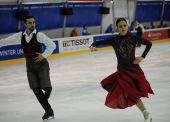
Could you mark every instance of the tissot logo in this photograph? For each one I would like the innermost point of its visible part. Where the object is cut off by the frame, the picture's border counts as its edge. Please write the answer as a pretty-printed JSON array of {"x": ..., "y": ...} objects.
[
  {"x": 76, "y": 42},
  {"x": 66, "y": 43}
]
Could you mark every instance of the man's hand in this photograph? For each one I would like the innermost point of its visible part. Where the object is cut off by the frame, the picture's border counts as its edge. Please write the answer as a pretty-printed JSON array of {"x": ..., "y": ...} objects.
[
  {"x": 93, "y": 49},
  {"x": 138, "y": 60},
  {"x": 39, "y": 58}
]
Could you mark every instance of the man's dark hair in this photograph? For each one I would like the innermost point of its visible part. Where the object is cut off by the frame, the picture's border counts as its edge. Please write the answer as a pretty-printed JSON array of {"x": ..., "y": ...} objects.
[
  {"x": 119, "y": 20},
  {"x": 136, "y": 20},
  {"x": 84, "y": 26},
  {"x": 28, "y": 17}
]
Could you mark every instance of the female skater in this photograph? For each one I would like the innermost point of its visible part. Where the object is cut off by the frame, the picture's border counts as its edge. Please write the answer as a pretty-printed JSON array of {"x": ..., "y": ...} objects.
[
  {"x": 140, "y": 30},
  {"x": 128, "y": 84}
]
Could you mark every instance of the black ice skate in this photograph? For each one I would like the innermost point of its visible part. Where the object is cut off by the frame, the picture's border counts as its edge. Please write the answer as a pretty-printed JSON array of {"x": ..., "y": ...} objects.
[{"x": 48, "y": 115}]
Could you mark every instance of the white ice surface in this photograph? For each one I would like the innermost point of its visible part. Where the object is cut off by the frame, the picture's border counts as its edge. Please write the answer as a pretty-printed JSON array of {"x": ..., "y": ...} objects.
[{"x": 77, "y": 95}]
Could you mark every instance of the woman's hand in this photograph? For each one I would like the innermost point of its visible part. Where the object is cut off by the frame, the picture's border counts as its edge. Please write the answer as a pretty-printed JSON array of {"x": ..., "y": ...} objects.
[
  {"x": 93, "y": 49},
  {"x": 138, "y": 60}
]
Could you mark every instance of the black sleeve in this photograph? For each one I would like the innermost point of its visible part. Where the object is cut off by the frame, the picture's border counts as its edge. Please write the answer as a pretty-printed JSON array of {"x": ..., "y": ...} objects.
[
  {"x": 108, "y": 41},
  {"x": 145, "y": 42}
]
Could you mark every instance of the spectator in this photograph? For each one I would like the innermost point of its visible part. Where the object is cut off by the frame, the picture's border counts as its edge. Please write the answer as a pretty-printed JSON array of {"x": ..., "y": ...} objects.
[
  {"x": 147, "y": 28},
  {"x": 152, "y": 27},
  {"x": 144, "y": 27},
  {"x": 109, "y": 29},
  {"x": 165, "y": 25},
  {"x": 140, "y": 30},
  {"x": 74, "y": 32},
  {"x": 132, "y": 26},
  {"x": 85, "y": 31}
]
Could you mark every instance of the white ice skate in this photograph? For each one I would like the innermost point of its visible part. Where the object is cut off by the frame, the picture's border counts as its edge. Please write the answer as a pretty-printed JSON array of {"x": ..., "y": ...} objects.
[
  {"x": 147, "y": 116},
  {"x": 50, "y": 118}
]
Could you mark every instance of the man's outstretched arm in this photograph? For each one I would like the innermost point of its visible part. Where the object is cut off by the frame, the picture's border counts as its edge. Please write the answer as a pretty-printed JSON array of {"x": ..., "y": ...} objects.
[{"x": 16, "y": 38}]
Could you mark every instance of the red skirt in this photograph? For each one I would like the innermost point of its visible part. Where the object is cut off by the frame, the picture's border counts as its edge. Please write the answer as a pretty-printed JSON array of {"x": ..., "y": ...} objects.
[{"x": 126, "y": 86}]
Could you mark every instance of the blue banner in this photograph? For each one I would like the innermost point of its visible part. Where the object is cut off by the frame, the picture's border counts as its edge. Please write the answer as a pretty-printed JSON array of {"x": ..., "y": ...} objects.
[
  {"x": 8, "y": 18},
  {"x": 16, "y": 51},
  {"x": 99, "y": 38},
  {"x": 47, "y": 16},
  {"x": 86, "y": 13},
  {"x": 149, "y": 11},
  {"x": 166, "y": 16}
]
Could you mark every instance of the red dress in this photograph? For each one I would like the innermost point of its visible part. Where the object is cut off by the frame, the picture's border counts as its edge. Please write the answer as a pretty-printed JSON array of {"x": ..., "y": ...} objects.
[{"x": 126, "y": 86}]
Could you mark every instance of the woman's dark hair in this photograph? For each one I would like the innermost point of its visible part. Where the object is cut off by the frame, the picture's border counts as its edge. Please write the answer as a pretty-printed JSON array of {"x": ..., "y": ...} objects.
[
  {"x": 28, "y": 17},
  {"x": 119, "y": 20}
]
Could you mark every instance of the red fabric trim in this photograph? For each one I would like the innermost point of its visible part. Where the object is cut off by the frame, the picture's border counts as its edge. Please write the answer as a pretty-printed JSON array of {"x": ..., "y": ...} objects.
[
  {"x": 34, "y": 53},
  {"x": 31, "y": 38},
  {"x": 28, "y": 46}
]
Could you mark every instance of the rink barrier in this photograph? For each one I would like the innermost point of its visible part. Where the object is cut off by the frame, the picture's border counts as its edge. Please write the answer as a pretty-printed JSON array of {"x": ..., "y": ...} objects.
[{"x": 77, "y": 45}]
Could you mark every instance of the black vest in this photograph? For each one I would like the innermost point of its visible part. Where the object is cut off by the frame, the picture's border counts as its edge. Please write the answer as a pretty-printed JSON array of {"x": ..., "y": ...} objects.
[{"x": 32, "y": 47}]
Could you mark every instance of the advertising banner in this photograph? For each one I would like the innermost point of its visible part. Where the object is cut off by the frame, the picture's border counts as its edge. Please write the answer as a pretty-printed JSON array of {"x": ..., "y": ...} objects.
[
  {"x": 149, "y": 11},
  {"x": 155, "y": 35},
  {"x": 85, "y": 13},
  {"x": 47, "y": 16},
  {"x": 75, "y": 44},
  {"x": 8, "y": 18},
  {"x": 16, "y": 51}
]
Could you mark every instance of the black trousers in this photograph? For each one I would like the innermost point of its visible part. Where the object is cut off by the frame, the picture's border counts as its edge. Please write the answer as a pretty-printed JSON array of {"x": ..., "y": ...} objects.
[
  {"x": 139, "y": 34},
  {"x": 43, "y": 97}
]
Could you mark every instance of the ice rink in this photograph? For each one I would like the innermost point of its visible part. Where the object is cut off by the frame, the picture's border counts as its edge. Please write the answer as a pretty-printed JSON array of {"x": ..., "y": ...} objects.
[{"x": 77, "y": 95}]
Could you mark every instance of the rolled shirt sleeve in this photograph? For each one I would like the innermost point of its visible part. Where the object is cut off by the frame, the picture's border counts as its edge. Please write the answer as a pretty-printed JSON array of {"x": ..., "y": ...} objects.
[
  {"x": 50, "y": 45},
  {"x": 16, "y": 38}
]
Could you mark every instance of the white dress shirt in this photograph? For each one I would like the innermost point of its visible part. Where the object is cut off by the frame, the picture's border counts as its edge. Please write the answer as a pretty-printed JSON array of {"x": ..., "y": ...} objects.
[
  {"x": 41, "y": 38},
  {"x": 139, "y": 25}
]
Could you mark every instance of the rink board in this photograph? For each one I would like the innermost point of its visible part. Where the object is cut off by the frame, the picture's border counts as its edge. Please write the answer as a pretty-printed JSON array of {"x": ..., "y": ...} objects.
[{"x": 74, "y": 45}]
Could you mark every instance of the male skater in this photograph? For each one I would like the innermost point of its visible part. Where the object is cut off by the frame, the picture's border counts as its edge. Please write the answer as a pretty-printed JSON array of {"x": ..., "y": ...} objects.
[
  {"x": 140, "y": 30},
  {"x": 36, "y": 63}
]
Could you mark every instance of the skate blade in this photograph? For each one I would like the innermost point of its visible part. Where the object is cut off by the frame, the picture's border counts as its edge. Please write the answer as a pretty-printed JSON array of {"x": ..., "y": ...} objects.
[{"x": 50, "y": 118}]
